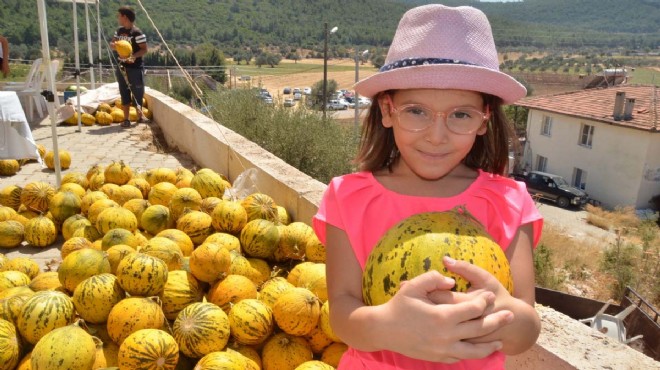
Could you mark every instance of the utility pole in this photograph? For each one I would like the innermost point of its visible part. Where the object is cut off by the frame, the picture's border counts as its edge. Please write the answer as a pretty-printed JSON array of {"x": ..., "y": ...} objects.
[{"x": 325, "y": 69}]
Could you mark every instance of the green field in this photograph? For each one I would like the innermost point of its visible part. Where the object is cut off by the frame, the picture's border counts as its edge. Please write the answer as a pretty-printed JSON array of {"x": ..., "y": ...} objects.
[
  {"x": 646, "y": 76},
  {"x": 289, "y": 68}
]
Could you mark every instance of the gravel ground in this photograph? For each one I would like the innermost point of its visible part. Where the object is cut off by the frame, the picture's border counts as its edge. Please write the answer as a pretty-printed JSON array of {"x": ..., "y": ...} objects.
[{"x": 573, "y": 222}]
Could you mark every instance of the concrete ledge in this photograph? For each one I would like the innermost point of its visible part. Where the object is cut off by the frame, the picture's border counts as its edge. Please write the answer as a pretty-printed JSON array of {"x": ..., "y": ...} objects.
[{"x": 564, "y": 343}]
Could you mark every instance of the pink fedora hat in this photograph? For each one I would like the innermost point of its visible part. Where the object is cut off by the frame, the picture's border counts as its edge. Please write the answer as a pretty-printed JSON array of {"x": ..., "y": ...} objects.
[{"x": 441, "y": 47}]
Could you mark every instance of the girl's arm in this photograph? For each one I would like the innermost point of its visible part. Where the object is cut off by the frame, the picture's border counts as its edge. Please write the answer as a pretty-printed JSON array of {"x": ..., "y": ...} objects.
[
  {"x": 526, "y": 326},
  {"x": 410, "y": 323}
]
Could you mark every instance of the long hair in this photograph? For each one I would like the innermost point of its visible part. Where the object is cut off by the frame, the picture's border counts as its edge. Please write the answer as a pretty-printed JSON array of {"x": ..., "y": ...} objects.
[{"x": 490, "y": 151}]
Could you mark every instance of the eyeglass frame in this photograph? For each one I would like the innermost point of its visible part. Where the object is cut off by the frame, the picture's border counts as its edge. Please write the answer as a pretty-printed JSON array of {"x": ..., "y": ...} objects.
[{"x": 485, "y": 116}]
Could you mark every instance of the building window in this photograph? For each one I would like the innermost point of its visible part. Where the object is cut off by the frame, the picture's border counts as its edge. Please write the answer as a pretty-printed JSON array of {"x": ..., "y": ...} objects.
[
  {"x": 546, "y": 126},
  {"x": 586, "y": 135},
  {"x": 541, "y": 163},
  {"x": 580, "y": 178}
]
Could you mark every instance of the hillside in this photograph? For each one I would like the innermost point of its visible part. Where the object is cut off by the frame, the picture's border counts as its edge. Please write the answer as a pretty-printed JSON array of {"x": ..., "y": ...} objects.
[{"x": 283, "y": 25}]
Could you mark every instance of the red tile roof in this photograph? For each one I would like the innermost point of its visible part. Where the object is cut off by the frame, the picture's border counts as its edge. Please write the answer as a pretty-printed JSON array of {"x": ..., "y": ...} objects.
[{"x": 598, "y": 105}]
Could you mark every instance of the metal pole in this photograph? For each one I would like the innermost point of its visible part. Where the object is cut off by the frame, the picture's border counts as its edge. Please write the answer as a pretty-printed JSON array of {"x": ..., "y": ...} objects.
[
  {"x": 77, "y": 72},
  {"x": 50, "y": 98},
  {"x": 98, "y": 34},
  {"x": 325, "y": 70},
  {"x": 356, "y": 97},
  {"x": 89, "y": 48}
]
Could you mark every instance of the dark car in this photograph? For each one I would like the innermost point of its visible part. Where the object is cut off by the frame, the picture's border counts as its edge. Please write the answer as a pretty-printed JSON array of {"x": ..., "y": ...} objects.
[{"x": 554, "y": 188}]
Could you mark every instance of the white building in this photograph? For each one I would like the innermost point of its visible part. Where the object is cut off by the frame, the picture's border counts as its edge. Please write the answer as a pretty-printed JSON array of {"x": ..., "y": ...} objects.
[{"x": 605, "y": 141}]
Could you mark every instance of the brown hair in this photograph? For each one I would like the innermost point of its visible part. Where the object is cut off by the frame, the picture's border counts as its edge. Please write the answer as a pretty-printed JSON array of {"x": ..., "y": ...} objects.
[
  {"x": 128, "y": 12},
  {"x": 490, "y": 151}
]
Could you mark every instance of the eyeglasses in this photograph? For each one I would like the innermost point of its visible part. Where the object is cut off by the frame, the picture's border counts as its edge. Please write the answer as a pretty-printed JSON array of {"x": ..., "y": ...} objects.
[{"x": 417, "y": 117}]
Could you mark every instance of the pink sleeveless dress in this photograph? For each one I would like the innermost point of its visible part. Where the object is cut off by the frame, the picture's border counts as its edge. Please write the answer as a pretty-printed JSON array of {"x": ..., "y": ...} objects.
[{"x": 362, "y": 207}]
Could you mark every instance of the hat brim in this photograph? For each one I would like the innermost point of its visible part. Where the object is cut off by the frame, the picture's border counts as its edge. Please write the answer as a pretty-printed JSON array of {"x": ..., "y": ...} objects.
[{"x": 445, "y": 76}]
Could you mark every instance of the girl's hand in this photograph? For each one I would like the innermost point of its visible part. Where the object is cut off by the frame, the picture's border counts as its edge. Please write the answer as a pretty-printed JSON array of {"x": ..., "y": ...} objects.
[{"x": 434, "y": 330}]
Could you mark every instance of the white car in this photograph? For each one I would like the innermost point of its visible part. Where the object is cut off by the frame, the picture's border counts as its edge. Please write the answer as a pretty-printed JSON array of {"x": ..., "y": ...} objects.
[
  {"x": 307, "y": 91},
  {"x": 337, "y": 105},
  {"x": 297, "y": 96},
  {"x": 289, "y": 102}
]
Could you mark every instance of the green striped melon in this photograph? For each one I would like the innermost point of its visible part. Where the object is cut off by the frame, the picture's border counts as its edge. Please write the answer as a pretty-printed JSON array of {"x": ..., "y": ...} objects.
[
  {"x": 285, "y": 351},
  {"x": 74, "y": 244},
  {"x": 73, "y": 188},
  {"x": 209, "y": 183},
  {"x": 162, "y": 174},
  {"x": 9, "y": 167},
  {"x": 231, "y": 290},
  {"x": 227, "y": 241},
  {"x": 40, "y": 232},
  {"x": 48, "y": 280},
  {"x": 293, "y": 241},
  {"x": 142, "y": 275},
  {"x": 44, "y": 312},
  {"x": 314, "y": 365},
  {"x": 77, "y": 178},
  {"x": 142, "y": 185},
  {"x": 297, "y": 311},
  {"x": 118, "y": 173},
  {"x": 10, "y": 196},
  {"x": 201, "y": 328},
  {"x": 119, "y": 236},
  {"x": 260, "y": 238},
  {"x": 209, "y": 204},
  {"x": 80, "y": 265},
  {"x": 318, "y": 340},
  {"x": 149, "y": 349},
  {"x": 418, "y": 243},
  {"x": 137, "y": 206},
  {"x": 66, "y": 348},
  {"x": 180, "y": 238},
  {"x": 229, "y": 217},
  {"x": 26, "y": 265},
  {"x": 210, "y": 262},
  {"x": 260, "y": 206},
  {"x": 126, "y": 193},
  {"x": 11, "y": 302},
  {"x": 98, "y": 207},
  {"x": 116, "y": 253},
  {"x": 224, "y": 360},
  {"x": 95, "y": 296},
  {"x": 181, "y": 290},
  {"x": 184, "y": 198},
  {"x": 155, "y": 219},
  {"x": 272, "y": 289},
  {"x": 116, "y": 218},
  {"x": 10, "y": 346},
  {"x": 196, "y": 224},
  {"x": 166, "y": 250},
  {"x": 250, "y": 321},
  {"x": 161, "y": 193},
  {"x": 11, "y": 234},
  {"x": 89, "y": 199},
  {"x": 332, "y": 354},
  {"x": 132, "y": 314},
  {"x": 63, "y": 205}
]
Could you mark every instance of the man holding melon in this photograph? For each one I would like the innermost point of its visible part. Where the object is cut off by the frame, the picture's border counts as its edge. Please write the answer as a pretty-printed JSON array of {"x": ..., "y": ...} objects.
[{"x": 130, "y": 44}]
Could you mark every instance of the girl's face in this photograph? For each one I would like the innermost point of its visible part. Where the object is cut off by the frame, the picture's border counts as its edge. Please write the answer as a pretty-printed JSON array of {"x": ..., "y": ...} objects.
[{"x": 435, "y": 151}]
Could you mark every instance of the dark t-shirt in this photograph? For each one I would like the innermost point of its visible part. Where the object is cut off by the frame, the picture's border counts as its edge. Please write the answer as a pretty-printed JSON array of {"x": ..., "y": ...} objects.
[{"x": 134, "y": 36}]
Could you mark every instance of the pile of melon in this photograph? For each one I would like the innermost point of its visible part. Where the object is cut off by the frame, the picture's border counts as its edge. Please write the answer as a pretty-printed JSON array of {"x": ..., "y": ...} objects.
[
  {"x": 107, "y": 114},
  {"x": 10, "y": 167},
  {"x": 160, "y": 270}
]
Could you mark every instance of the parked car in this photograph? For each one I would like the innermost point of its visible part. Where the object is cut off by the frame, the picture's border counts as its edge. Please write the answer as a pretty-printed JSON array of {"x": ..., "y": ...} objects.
[
  {"x": 297, "y": 96},
  {"x": 553, "y": 187},
  {"x": 286, "y": 91},
  {"x": 336, "y": 105},
  {"x": 297, "y": 90},
  {"x": 307, "y": 91},
  {"x": 289, "y": 102}
]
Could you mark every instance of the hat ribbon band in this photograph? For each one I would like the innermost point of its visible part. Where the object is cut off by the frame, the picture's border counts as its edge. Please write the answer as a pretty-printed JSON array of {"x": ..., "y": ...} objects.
[{"x": 411, "y": 62}]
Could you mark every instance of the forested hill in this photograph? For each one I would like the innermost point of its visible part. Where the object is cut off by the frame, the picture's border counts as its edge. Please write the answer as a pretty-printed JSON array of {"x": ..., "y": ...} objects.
[{"x": 236, "y": 24}]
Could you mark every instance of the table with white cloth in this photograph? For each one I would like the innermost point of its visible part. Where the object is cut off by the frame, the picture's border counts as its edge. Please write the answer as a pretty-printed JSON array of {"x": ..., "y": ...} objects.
[{"x": 16, "y": 140}]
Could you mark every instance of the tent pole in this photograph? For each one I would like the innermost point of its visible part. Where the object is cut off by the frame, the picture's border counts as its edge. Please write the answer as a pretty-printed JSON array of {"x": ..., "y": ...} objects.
[
  {"x": 98, "y": 34},
  {"x": 90, "y": 53},
  {"x": 77, "y": 72},
  {"x": 51, "y": 93}
]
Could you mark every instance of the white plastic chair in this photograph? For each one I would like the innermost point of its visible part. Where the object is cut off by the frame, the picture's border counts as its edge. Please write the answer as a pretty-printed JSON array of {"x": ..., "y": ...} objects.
[
  {"x": 612, "y": 326},
  {"x": 29, "y": 80},
  {"x": 30, "y": 93}
]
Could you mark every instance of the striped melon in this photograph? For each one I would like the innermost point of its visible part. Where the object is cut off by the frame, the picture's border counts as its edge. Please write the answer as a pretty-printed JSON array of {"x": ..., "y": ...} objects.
[
  {"x": 25, "y": 265},
  {"x": 181, "y": 290},
  {"x": 261, "y": 270},
  {"x": 155, "y": 219},
  {"x": 272, "y": 289},
  {"x": 166, "y": 250},
  {"x": 149, "y": 349},
  {"x": 96, "y": 181},
  {"x": 314, "y": 365},
  {"x": 209, "y": 204},
  {"x": 250, "y": 353},
  {"x": 293, "y": 241},
  {"x": 209, "y": 183},
  {"x": 68, "y": 227},
  {"x": 196, "y": 224},
  {"x": 227, "y": 241},
  {"x": 180, "y": 238},
  {"x": 119, "y": 236},
  {"x": 10, "y": 346},
  {"x": 184, "y": 198},
  {"x": 66, "y": 348},
  {"x": 11, "y": 234},
  {"x": 9, "y": 167},
  {"x": 93, "y": 171},
  {"x": 332, "y": 354},
  {"x": 6, "y": 213},
  {"x": 324, "y": 322},
  {"x": 43, "y": 312},
  {"x": 118, "y": 173},
  {"x": 36, "y": 195},
  {"x": 260, "y": 206},
  {"x": 11, "y": 302},
  {"x": 285, "y": 351},
  {"x": 142, "y": 275},
  {"x": 210, "y": 262},
  {"x": 116, "y": 217},
  {"x": 88, "y": 232},
  {"x": 80, "y": 265},
  {"x": 48, "y": 280},
  {"x": 95, "y": 296},
  {"x": 74, "y": 244},
  {"x": 315, "y": 250},
  {"x": 162, "y": 174},
  {"x": 65, "y": 159},
  {"x": 132, "y": 314},
  {"x": 201, "y": 328},
  {"x": 260, "y": 238},
  {"x": 229, "y": 217},
  {"x": 10, "y": 196},
  {"x": 125, "y": 193},
  {"x": 418, "y": 243},
  {"x": 142, "y": 185},
  {"x": 297, "y": 311},
  {"x": 224, "y": 360},
  {"x": 40, "y": 232},
  {"x": 283, "y": 216},
  {"x": 73, "y": 188},
  {"x": 64, "y": 205},
  {"x": 161, "y": 193},
  {"x": 116, "y": 253},
  {"x": 89, "y": 199},
  {"x": 76, "y": 178},
  {"x": 99, "y": 206},
  {"x": 137, "y": 206},
  {"x": 231, "y": 290},
  {"x": 313, "y": 278},
  {"x": 318, "y": 340},
  {"x": 250, "y": 321}
]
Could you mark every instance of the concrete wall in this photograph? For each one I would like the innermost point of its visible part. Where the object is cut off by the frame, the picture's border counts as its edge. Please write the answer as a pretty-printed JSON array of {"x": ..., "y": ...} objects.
[
  {"x": 564, "y": 343},
  {"x": 615, "y": 163}
]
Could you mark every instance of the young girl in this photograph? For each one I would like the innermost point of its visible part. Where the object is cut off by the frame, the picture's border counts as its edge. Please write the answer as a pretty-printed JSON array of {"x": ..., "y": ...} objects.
[{"x": 435, "y": 138}]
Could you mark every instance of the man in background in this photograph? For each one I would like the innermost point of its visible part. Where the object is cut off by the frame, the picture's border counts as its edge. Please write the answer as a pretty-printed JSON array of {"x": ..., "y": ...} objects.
[
  {"x": 130, "y": 71},
  {"x": 4, "y": 56}
]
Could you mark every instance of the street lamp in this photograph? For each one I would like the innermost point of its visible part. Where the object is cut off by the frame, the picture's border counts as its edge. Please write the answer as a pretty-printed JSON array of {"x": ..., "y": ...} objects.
[
  {"x": 358, "y": 55},
  {"x": 325, "y": 68}
]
